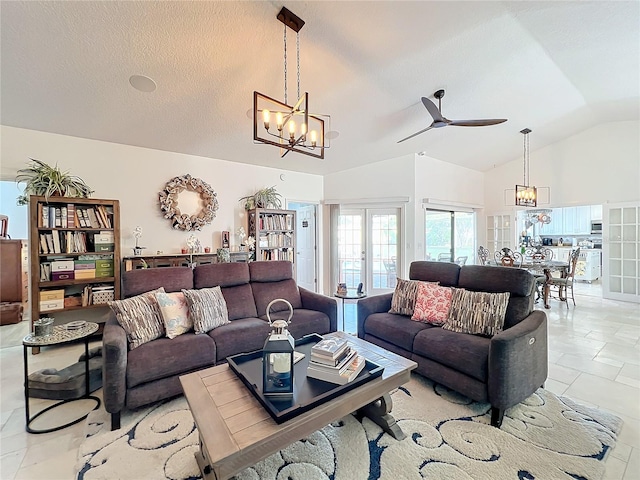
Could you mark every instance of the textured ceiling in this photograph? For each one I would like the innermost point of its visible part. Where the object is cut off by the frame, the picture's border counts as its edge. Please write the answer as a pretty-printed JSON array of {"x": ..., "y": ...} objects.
[{"x": 555, "y": 67}]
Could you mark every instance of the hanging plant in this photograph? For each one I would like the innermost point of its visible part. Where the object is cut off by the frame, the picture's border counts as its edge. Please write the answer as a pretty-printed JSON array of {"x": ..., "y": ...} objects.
[
  {"x": 263, "y": 198},
  {"x": 45, "y": 180}
]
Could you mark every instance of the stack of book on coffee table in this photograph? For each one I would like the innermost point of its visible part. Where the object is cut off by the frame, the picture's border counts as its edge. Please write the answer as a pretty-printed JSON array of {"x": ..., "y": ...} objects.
[{"x": 334, "y": 360}]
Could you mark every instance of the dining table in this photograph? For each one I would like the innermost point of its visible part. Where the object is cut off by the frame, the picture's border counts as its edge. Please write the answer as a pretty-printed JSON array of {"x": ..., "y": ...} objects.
[{"x": 547, "y": 267}]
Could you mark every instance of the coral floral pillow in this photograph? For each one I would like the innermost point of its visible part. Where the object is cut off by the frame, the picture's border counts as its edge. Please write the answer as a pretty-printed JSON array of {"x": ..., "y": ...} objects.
[{"x": 432, "y": 304}]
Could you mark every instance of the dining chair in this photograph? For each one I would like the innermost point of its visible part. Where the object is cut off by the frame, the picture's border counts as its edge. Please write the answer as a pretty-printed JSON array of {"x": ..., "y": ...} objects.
[
  {"x": 461, "y": 260},
  {"x": 444, "y": 257},
  {"x": 483, "y": 255},
  {"x": 508, "y": 258},
  {"x": 563, "y": 284},
  {"x": 539, "y": 254}
]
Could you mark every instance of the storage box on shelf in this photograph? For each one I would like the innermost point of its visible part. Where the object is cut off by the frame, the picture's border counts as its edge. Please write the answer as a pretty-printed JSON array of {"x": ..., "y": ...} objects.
[
  {"x": 74, "y": 245},
  {"x": 275, "y": 233}
]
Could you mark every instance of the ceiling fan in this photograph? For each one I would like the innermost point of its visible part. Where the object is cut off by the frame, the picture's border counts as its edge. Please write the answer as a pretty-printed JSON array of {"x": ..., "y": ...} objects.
[{"x": 441, "y": 121}]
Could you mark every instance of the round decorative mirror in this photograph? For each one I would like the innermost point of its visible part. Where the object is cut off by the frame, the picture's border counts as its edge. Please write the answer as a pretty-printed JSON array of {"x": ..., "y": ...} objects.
[{"x": 169, "y": 203}]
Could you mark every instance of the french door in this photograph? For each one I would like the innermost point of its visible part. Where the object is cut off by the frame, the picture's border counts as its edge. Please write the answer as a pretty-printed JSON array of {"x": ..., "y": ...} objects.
[
  {"x": 368, "y": 248},
  {"x": 450, "y": 236}
]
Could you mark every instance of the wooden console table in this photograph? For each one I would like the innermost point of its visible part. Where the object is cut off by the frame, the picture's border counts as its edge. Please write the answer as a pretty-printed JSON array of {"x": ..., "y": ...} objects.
[{"x": 177, "y": 260}]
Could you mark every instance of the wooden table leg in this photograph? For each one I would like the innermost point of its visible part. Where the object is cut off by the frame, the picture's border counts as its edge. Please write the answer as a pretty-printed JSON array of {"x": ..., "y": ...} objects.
[{"x": 379, "y": 412}]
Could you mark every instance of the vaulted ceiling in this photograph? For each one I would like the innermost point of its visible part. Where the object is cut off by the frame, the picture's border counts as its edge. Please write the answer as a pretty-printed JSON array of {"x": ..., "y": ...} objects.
[{"x": 555, "y": 67}]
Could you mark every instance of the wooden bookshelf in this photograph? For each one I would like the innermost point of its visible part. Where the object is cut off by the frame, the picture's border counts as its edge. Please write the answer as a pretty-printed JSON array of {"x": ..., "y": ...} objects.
[
  {"x": 275, "y": 233},
  {"x": 93, "y": 240}
]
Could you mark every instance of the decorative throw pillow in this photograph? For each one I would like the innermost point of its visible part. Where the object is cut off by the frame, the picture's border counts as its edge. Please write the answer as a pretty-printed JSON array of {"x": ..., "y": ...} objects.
[
  {"x": 140, "y": 317},
  {"x": 175, "y": 313},
  {"x": 404, "y": 296},
  {"x": 477, "y": 312},
  {"x": 432, "y": 304},
  {"x": 207, "y": 308}
]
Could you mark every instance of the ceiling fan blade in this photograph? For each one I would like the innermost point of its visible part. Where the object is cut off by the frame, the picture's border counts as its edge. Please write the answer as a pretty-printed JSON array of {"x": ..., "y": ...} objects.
[
  {"x": 416, "y": 134},
  {"x": 432, "y": 109},
  {"x": 477, "y": 123}
]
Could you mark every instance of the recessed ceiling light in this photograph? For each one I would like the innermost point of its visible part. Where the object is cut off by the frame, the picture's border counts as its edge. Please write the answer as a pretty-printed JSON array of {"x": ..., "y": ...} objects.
[
  {"x": 142, "y": 83},
  {"x": 332, "y": 134}
]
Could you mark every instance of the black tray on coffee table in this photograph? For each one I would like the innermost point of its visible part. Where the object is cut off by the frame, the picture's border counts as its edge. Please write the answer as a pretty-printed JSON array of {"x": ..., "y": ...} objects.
[{"x": 307, "y": 392}]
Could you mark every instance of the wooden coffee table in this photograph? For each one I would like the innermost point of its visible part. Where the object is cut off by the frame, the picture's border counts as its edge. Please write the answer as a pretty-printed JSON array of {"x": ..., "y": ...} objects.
[{"x": 236, "y": 431}]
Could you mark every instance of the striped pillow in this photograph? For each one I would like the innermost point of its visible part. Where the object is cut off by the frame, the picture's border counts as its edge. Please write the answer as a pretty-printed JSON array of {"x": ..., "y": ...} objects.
[
  {"x": 404, "y": 297},
  {"x": 140, "y": 317},
  {"x": 207, "y": 308},
  {"x": 478, "y": 313}
]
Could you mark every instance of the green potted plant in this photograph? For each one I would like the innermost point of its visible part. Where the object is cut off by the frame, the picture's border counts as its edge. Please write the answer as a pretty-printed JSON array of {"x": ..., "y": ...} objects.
[
  {"x": 263, "y": 198},
  {"x": 45, "y": 180}
]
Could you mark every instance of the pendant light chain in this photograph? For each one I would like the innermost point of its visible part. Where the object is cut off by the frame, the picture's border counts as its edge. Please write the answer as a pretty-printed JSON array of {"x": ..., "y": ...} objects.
[
  {"x": 285, "y": 65},
  {"x": 528, "y": 159},
  {"x": 524, "y": 163},
  {"x": 298, "y": 59}
]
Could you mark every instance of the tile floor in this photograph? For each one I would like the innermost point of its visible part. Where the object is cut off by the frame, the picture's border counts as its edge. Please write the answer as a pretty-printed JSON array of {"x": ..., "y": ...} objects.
[{"x": 594, "y": 358}]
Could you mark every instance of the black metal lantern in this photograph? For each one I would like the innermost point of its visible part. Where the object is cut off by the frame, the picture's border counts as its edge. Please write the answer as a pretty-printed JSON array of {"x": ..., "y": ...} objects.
[{"x": 277, "y": 356}]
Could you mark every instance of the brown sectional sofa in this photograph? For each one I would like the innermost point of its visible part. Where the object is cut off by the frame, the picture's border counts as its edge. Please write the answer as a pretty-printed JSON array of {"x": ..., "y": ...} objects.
[
  {"x": 148, "y": 373},
  {"x": 502, "y": 370}
]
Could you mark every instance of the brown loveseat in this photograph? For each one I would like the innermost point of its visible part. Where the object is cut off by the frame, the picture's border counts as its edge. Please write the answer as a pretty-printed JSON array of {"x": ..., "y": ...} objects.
[
  {"x": 502, "y": 370},
  {"x": 148, "y": 373}
]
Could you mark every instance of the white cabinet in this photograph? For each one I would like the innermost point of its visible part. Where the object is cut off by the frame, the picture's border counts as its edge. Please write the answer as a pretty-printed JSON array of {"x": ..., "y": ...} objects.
[
  {"x": 499, "y": 232},
  {"x": 588, "y": 266},
  {"x": 596, "y": 212}
]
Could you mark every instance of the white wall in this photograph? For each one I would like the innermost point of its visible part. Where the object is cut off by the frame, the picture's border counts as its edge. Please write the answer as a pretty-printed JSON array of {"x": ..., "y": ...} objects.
[
  {"x": 599, "y": 165},
  {"x": 448, "y": 185},
  {"x": 136, "y": 175},
  {"x": 412, "y": 176}
]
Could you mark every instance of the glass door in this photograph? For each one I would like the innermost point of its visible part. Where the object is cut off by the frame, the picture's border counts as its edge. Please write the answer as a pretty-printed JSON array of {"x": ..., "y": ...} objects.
[
  {"x": 382, "y": 250},
  {"x": 351, "y": 254},
  {"x": 449, "y": 236}
]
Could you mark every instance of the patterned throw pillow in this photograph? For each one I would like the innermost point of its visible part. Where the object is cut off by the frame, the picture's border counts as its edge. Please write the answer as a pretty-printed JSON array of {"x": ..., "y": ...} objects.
[
  {"x": 175, "y": 313},
  {"x": 140, "y": 317},
  {"x": 433, "y": 303},
  {"x": 207, "y": 308},
  {"x": 477, "y": 312},
  {"x": 404, "y": 296}
]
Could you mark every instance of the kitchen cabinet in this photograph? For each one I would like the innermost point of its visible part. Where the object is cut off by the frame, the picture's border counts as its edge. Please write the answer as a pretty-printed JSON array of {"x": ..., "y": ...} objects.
[
  {"x": 596, "y": 212},
  {"x": 588, "y": 266}
]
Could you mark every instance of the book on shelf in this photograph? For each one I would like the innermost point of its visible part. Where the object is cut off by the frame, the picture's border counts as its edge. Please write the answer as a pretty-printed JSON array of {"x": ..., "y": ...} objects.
[
  {"x": 330, "y": 347},
  {"x": 71, "y": 215},
  {"x": 348, "y": 374}
]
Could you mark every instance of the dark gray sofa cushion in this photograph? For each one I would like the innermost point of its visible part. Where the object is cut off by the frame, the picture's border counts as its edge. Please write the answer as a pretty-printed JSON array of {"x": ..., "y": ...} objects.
[
  {"x": 169, "y": 356},
  {"x": 518, "y": 282},
  {"x": 233, "y": 279},
  {"x": 303, "y": 322},
  {"x": 443, "y": 272},
  {"x": 271, "y": 280},
  {"x": 223, "y": 274},
  {"x": 460, "y": 351},
  {"x": 241, "y": 335},
  {"x": 173, "y": 279},
  {"x": 399, "y": 330}
]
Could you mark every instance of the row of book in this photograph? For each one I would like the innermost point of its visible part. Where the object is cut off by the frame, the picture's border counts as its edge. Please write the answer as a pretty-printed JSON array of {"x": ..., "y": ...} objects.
[
  {"x": 335, "y": 361},
  {"x": 275, "y": 240},
  {"x": 276, "y": 255},
  {"x": 276, "y": 222},
  {"x": 74, "y": 216},
  {"x": 63, "y": 242}
]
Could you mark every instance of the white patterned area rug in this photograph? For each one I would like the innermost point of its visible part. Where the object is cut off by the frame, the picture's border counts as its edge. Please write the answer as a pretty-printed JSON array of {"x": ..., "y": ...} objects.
[{"x": 448, "y": 437}]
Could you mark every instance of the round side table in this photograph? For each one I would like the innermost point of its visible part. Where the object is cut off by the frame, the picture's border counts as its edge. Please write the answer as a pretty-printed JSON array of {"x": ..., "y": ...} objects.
[
  {"x": 350, "y": 295},
  {"x": 59, "y": 336}
]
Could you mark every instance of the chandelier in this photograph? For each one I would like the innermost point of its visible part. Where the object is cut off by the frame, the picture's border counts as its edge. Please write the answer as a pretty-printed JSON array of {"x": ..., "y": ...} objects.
[
  {"x": 290, "y": 127},
  {"x": 526, "y": 195}
]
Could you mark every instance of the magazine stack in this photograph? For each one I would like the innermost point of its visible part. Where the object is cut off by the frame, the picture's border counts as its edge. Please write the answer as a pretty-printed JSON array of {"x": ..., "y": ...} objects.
[{"x": 334, "y": 360}]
